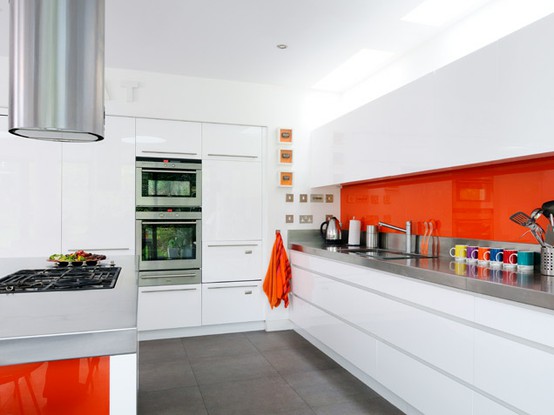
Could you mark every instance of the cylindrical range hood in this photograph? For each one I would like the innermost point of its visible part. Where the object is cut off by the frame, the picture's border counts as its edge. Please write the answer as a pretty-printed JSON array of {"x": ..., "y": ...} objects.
[{"x": 57, "y": 69}]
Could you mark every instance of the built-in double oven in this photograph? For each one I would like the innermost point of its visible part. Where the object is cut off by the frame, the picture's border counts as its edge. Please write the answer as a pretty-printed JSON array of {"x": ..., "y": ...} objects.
[{"x": 169, "y": 221}]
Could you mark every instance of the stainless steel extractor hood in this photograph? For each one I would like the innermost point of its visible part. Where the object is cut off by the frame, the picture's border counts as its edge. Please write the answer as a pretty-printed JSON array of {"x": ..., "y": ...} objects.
[{"x": 57, "y": 69}]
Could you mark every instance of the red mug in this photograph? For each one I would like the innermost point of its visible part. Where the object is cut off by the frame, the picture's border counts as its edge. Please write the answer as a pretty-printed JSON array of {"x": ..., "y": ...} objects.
[{"x": 510, "y": 258}]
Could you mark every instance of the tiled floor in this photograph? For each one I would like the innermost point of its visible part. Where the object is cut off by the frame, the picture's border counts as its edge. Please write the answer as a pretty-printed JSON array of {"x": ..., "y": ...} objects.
[{"x": 255, "y": 373}]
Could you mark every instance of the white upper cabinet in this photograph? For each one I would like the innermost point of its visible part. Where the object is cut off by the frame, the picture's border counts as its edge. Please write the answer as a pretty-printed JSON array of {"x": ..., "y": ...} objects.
[
  {"x": 30, "y": 179},
  {"x": 98, "y": 197},
  {"x": 168, "y": 138},
  {"x": 493, "y": 104},
  {"x": 240, "y": 142},
  {"x": 231, "y": 200}
]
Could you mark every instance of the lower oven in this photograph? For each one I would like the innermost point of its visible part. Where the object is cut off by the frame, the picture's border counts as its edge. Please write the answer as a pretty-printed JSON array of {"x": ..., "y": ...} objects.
[{"x": 169, "y": 246}]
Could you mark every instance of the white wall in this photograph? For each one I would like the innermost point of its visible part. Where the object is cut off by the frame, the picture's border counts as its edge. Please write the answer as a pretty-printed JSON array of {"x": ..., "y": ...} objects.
[{"x": 194, "y": 99}]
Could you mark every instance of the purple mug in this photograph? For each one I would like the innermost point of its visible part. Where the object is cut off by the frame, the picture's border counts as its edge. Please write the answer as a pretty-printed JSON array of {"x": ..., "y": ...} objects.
[{"x": 472, "y": 251}]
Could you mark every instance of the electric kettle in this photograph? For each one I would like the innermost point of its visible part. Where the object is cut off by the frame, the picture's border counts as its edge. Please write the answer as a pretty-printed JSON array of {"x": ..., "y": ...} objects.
[{"x": 330, "y": 231}]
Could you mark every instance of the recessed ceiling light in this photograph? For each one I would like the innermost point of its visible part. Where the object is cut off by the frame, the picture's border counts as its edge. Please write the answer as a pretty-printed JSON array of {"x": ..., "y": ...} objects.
[
  {"x": 354, "y": 70},
  {"x": 440, "y": 12},
  {"x": 282, "y": 46}
]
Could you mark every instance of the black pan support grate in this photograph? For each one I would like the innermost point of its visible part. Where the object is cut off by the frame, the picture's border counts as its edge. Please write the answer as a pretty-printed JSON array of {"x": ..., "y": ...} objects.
[{"x": 60, "y": 279}]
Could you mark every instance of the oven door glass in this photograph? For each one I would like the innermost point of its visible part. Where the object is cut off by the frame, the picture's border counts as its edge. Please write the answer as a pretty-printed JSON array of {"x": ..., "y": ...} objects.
[
  {"x": 170, "y": 244},
  {"x": 164, "y": 187}
]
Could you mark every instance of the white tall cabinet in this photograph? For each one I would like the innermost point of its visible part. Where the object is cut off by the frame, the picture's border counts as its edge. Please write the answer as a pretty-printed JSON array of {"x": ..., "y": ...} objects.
[
  {"x": 30, "y": 179},
  {"x": 98, "y": 191},
  {"x": 231, "y": 223}
]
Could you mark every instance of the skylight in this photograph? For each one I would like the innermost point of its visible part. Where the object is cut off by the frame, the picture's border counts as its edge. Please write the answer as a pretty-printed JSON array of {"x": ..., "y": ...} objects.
[
  {"x": 440, "y": 12},
  {"x": 357, "y": 68}
]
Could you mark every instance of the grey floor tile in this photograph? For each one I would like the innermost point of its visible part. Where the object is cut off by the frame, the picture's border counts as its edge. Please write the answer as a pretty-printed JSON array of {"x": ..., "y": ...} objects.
[
  {"x": 233, "y": 344},
  {"x": 299, "y": 360},
  {"x": 276, "y": 340},
  {"x": 225, "y": 368},
  {"x": 267, "y": 395},
  {"x": 177, "y": 401},
  {"x": 359, "y": 406},
  {"x": 161, "y": 350},
  {"x": 325, "y": 387},
  {"x": 165, "y": 375}
]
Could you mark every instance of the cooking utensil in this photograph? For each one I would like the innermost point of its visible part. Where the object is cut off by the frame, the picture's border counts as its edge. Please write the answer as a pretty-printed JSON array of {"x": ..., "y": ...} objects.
[
  {"x": 522, "y": 219},
  {"x": 549, "y": 237},
  {"x": 548, "y": 207},
  {"x": 529, "y": 222}
]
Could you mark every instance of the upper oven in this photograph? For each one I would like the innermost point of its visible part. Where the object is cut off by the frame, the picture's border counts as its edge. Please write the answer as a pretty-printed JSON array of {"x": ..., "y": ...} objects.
[
  {"x": 169, "y": 240},
  {"x": 168, "y": 183}
]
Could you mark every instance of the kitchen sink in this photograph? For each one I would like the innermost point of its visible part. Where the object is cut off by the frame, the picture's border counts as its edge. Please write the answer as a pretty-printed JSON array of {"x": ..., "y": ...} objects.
[{"x": 379, "y": 253}]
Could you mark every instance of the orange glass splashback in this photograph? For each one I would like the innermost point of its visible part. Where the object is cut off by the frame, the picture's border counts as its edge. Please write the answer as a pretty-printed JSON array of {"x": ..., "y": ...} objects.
[
  {"x": 471, "y": 202},
  {"x": 62, "y": 387}
]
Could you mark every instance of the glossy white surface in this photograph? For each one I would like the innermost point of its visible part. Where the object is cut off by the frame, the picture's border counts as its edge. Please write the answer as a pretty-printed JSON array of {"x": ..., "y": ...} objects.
[
  {"x": 168, "y": 139},
  {"x": 526, "y": 382},
  {"x": 354, "y": 345},
  {"x": 169, "y": 306},
  {"x": 123, "y": 384},
  {"x": 221, "y": 141},
  {"x": 404, "y": 326},
  {"x": 424, "y": 388},
  {"x": 98, "y": 192},
  {"x": 232, "y": 200},
  {"x": 231, "y": 261},
  {"x": 485, "y": 406},
  {"x": 30, "y": 179},
  {"x": 490, "y": 105},
  {"x": 232, "y": 302}
]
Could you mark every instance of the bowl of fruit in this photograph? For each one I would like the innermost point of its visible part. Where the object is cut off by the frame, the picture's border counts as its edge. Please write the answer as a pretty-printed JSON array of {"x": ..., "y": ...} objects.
[{"x": 76, "y": 259}]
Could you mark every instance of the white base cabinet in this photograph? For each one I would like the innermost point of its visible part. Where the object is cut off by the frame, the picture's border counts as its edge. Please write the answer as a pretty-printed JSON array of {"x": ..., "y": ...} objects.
[
  {"x": 440, "y": 350},
  {"x": 227, "y": 261},
  {"x": 232, "y": 302},
  {"x": 169, "y": 306}
]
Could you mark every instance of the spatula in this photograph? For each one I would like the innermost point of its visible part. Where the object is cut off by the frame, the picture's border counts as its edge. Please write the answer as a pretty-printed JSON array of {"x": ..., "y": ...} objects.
[{"x": 522, "y": 219}]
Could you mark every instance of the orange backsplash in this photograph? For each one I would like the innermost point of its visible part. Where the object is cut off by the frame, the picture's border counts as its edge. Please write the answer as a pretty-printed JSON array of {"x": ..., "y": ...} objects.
[{"x": 471, "y": 202}]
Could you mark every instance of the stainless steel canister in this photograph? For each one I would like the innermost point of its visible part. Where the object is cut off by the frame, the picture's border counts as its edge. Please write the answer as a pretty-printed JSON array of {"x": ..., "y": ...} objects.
[
  {"x": 547, "y": 261},
  {"x": 372, "y": 237}
]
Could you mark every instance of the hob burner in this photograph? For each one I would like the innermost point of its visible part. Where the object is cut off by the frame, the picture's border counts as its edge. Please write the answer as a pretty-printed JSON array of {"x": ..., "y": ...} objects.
[{"x": 60, "y": 279}]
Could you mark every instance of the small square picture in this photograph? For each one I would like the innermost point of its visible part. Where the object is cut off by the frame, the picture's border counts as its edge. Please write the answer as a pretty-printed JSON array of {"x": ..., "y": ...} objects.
[
  {"x": 285, "y": 136},
  {"x": 285, "y": 156},
  {"x": 285, "y": 178}
]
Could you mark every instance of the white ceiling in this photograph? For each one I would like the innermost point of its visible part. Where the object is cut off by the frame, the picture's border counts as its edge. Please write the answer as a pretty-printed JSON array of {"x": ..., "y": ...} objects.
[{"x": 236, "y": 39}]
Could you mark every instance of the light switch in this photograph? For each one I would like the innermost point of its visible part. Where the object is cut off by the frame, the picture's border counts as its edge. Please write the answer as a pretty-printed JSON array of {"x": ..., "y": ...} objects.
[
  {"x": 329, "y": 198},
  {"x": 303, "y": 198},
  {"x": 289, "y": 218},
  {"x": 289, "y": 198}
]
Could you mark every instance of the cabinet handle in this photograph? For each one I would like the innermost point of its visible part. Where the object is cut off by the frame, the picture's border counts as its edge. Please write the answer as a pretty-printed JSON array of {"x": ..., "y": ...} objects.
[
  {"x": 249, "y": 292},
  {"x": 248, "y": 252},
  {"x": 170, "y": 223},
  {"x": 167, "y": 276},
  {"x": 168, "y": 152},
  {"x": 230, "y": 245},
  {"x": 239, "y": 286},
  {"x": 232, "y": 155},
  {"x": 169, "y": 171},
  {"x": 99, "y": 249},
  {"x": 169, "y": 290}
]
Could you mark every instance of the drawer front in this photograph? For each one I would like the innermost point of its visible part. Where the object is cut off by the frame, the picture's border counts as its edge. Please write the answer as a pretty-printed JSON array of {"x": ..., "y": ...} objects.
[
  {"x": 232, "y": 302},
  {"x": 169, "y": 307},
  {"x": 231, "y": 261}
]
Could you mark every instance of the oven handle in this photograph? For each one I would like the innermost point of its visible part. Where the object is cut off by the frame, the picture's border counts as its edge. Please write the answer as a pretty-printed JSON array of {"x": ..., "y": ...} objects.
[
  {"x": 170, "y": 223},
  {"x": 150, "y": 277},
  {"x": 168, "y": 171}
]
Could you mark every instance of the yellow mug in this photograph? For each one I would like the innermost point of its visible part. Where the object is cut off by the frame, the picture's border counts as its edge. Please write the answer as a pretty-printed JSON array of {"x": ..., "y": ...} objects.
[{"x": 458, "y": 252}]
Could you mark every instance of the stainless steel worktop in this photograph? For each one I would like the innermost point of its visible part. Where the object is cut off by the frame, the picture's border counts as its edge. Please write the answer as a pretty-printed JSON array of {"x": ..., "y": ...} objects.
[
  {"x": 43, "y": 326},
  {"x": 527, "y": 288}
]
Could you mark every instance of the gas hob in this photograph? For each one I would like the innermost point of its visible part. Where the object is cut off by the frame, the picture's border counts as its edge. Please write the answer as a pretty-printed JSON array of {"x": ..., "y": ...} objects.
[{"x": 60, "y": 279}]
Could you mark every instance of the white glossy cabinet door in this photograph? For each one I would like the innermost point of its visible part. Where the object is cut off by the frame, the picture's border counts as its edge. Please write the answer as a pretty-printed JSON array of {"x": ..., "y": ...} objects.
[
  {"x": 169, "y": 307},
  {"x": 98, "y": 198},
  {"x": 235, "y": 302},
  {"x": 168, "y": 138},
  {"x": 231, "y": 200},
  {"x": 231, "y": 261},
  {"x": 30, "y": 179},
  {"x": 222, "y": 141}
]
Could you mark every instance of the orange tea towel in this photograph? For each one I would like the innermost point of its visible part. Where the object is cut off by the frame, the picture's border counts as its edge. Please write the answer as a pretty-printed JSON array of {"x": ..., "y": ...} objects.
[{"x": 277, "y": 278}]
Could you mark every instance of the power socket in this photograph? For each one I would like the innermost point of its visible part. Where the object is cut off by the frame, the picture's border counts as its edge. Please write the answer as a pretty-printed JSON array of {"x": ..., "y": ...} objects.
[{"x": 306, "y": 218}]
